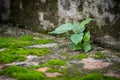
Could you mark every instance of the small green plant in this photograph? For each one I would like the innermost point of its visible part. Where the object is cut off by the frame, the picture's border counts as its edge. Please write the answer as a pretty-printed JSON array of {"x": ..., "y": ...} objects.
[
  {"x": 23, "y": 73},
  {"x": 80, "y": 39}
]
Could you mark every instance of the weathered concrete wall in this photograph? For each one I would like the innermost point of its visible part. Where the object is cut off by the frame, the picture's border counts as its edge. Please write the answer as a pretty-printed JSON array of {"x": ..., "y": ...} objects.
[
  {"x": 36, "y": 14},
  {"x": 42, "y": 15}
]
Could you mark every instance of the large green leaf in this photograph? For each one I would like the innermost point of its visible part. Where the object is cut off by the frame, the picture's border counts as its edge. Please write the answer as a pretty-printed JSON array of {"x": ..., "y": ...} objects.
[
  {"x": 83, "y": 23},
  {"x": 76, "y": 38},
  {"x": 76, "y": 26},
  {"x": 76, "y": 47},
  {"x": 86, "y": 36},
  {"x": 87, "y": 47},
  {"x": 81, "y": 29},
  {"x": 63, "y": 28}
]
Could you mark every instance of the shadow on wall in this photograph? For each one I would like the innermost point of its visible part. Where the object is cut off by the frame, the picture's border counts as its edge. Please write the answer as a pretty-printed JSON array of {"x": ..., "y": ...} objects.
[
  {"x": 4, "y": 10},
  {"x": 37, "y": 15}
]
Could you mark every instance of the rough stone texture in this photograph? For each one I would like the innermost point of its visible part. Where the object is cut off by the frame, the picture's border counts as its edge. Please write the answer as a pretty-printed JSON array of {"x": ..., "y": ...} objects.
[
  {"x": 106, "y": 12},
  {"x": 90, "y": 63},
  {"x": 113, "y": 74},
  {"x": 55, "y": 74},
  {"x": 50, "y": 45},
  {"x": 6, "y": 78},
  {"x": 43, "y": 69},
  {"x": 31, "y": 61},
  {"x": 35, "y": 15},
  {"x": 42, "y": 15}
]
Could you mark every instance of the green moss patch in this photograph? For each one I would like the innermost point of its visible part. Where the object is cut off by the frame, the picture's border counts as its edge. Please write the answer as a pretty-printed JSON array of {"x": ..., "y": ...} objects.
[
  {"x": 34, "y": 67},
  {"x": 16, "y": 48},
  {"x": 6, "y": 57},
  {"x": 79, "y": 56},
  {"x": 55, "y": 62},
  {"x": 23, "y": 73},
  {"x": 12, "y": 42},
  {"x": 42, "y": 41},
  {"x": 6, "y": 42},
  {"x": 52, "y": 69},
  {"x": 38, "y": 52},
  {"x": 62, "y": 71},
  {"x": 97, "y": 76},
  {"x": 19, "y": 54},
  {"x": 26, "y": 38},
  {"x": 91, "y": 76},
  {"x": 99, "y": 55}
]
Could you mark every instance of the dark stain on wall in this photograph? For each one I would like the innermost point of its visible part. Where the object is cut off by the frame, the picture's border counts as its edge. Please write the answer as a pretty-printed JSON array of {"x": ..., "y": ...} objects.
[{"x": 25, "y": 12}]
